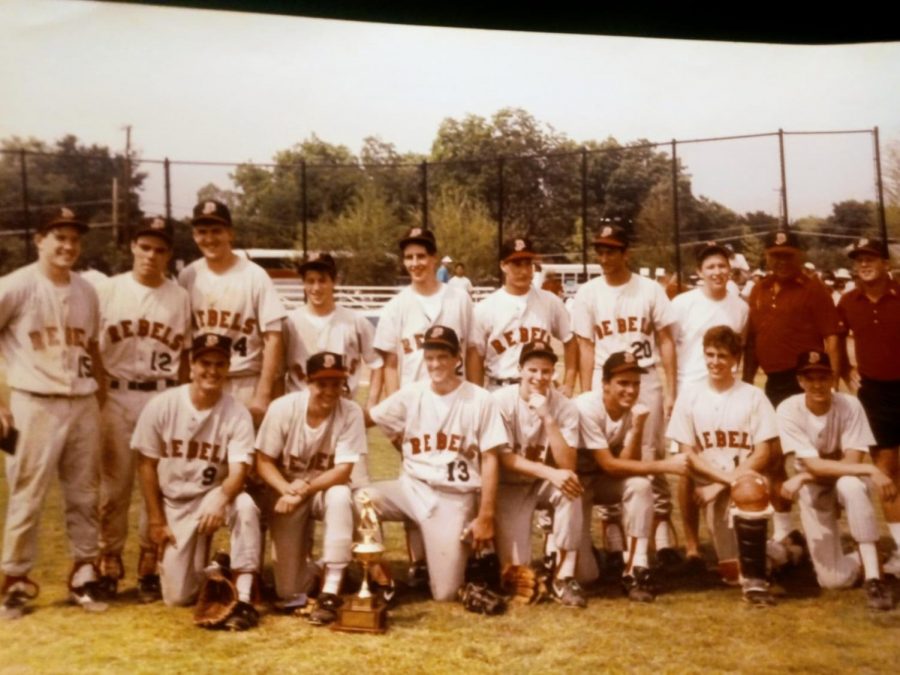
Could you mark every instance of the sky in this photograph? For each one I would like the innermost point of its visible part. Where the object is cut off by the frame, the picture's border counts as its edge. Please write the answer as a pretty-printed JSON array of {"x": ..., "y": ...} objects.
[{"x": 224, "y": 86}]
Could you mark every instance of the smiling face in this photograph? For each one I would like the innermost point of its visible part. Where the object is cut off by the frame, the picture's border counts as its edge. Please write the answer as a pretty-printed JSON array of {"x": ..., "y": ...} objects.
[
  {"x": 441, "y": 366},
  {"x": 537, "y": 375},
  {"x": 720, "y": 363},
  {"x": 214, "y": 241},
  {"x": 151, "y": 257},
  {"x": 714, "y": 271},
  {"x": 518, "y": 275},
  {"x": 870, "y": 267},
  {"x": 326, "y": 392},
  {"x": 817, "y": 386},
  {"x": 209, "y": 370},
  {"x": 319, "y": 287},
  {"x": 419, "y": 263},
  {"x": 60, "y": 247},
  {"x": 621, "y": 391}
]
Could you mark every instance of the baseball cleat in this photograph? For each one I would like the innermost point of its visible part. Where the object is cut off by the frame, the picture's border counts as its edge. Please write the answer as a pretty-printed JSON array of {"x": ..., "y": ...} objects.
[
  {"x": 243, "y": 617},
  {"x": 87, "y": 597},
  {"x": 892, "y": 565},
  {"x": 325, "y": 611},
  {"x": 417, "y": 575},
  {"x": 878, "y": 595},
  {"x": 614, "y": 564},
  {"x": 668, "y": 559},
  {"x": 638, "y": 585},
  {"x": 757, "y": 594},
  {"x": 568, "y": 593},
  {"x": 17, "y": 594},
  {"x": 107, "y": 588},
  {"x": 149, "y": 589}
]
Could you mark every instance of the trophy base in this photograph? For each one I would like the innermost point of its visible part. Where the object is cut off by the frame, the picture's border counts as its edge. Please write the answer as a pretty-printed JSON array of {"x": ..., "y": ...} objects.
[{"x": 361, "y": 615}]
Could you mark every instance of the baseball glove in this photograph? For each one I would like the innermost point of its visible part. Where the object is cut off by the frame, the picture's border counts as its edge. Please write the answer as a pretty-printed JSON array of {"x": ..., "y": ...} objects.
[
  {"x": 217, "y": 600},
  {"x": 484, "y": 570},
  {"x": 524, "y": 584},
  {"x": 480, "y": 599}
]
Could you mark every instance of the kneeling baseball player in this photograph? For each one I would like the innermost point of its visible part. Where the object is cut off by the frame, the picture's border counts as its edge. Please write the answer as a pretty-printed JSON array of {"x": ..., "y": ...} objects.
[
  {"x": 539, "y": 471},
  {"x": 450, "y": 434},
  {"x": 726, "y": 428},
  {"x": 196, "y": 445},
  {"x": 306, "y": 447},
  {"x": 612, "y": 472},
  {"x": 829, "y": 435}
]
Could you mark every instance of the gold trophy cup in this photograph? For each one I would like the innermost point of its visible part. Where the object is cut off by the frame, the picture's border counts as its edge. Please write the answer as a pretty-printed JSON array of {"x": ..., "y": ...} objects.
[{"x": 364, "y": 612}]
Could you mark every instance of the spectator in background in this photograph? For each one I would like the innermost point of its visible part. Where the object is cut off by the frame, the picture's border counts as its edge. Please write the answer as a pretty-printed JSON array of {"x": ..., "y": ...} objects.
[
  {"x": 460, "y": 280},
  {"x": 443, "y": 273}
]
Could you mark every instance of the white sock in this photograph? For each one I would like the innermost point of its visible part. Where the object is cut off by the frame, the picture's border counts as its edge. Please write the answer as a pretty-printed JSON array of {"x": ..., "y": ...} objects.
[
  {"x": 894, "y": 529},
  {"x": 334, "y": 574},
  {"x": 663, "y": 535},
  {"x": 566, "y": 567},
  {"x": 781, "y": 525},
  {"x": 614, "y": 539},
  {"x": 244, "y": 586},
  {"x": 869, "y": 555},
  {"x": 640, "y": 558},
  {"x": 83, "y": 575}
]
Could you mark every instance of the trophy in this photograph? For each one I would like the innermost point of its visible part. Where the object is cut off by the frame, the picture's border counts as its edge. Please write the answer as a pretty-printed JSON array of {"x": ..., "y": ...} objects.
[{"x": 364, "y": 612}]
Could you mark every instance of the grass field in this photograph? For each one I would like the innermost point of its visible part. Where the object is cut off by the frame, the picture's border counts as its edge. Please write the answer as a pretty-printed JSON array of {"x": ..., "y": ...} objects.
[{"x": 692, "y": 627}]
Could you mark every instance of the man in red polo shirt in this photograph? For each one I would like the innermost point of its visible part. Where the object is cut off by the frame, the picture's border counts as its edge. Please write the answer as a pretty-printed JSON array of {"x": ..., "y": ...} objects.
[
  {"x": 872, "y": 312},
  {"x": 790, "y": 313}
]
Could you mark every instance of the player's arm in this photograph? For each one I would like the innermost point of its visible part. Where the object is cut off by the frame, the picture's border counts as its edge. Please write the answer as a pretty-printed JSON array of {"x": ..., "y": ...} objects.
[
  {"x": 622, "y": 467},
  {"x": 849, "y": 373},
  {"x": 851, "y": 464},
  {"x": 98, "y": 370},
  {"x": 751, "y": 365},
  {"x": 148, "y": 476},
  {"x": 758, "y": 459},
  {"x": 212, "y": 515},
  {"x": 585, "y": 362},
  {"x": 670, "y": 367},
  {"x": 631, "y": 449},
  {"x": 832, "y": 348},
  {"x": 570, "y": 364},
  {"x": 703, "y": 468},
  {"x": 391, "y": 375},
  {"x": 474, "y": 366},
  {"x": 565, "y": 480},
  {"x": 482, "y": 528},
  {"x": 272, "y": 362},
  {"x": 339, "y": 474},
  {"x": 376, "y": 384}
]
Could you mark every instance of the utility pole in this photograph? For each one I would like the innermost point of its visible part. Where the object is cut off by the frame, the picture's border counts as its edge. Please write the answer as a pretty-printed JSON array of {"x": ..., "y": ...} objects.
[
  {"x": 126, "y": 185},
  {"x": 115, "y": 207}
]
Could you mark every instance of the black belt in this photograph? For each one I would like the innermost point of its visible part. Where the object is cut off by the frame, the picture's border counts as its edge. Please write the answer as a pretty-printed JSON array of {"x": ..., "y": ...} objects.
[
  {"x": 39, "y": 395},
  {"x": 511, "y": 380},
  {"x": 150, "y": 385}
]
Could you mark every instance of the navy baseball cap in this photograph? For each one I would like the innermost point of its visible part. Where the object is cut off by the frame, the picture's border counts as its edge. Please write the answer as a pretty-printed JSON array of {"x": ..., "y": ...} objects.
[
  {"x": 611, "y": 236},
  {"x": 620, "y": 362},
  {"x": 154, "y": 227},
  {"x": 537, "y": 348},
  {"x": 210, "y": 342},
  {"x": 419, "y": 235},
  {"x": 441, "y": 337},
  {"x": 783, "y": 241},
  {"x": 712, "y": 248},
  {"x": 325, "y": 364},
  {"x": 321, "y": 262},
  {"x": 871, "y": 246},
  {"x": 62, "y": 217},
  {"x": 516, "y": 249},
  {"x": 211, "y": 212},
  {"x": 812, "y": 361}
]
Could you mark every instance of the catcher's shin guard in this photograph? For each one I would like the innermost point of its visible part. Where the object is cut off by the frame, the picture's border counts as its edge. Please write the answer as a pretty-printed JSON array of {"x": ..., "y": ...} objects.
[{"x": 751, "y": 539}]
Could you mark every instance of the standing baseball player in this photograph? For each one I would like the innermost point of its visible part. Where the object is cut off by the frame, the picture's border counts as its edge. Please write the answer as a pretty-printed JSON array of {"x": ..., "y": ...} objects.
[
  {"x": 306, "y": 448},
  {"x": 234, "y": 297},
  {"x": 48, "y": 337},
  {"x": 829, "y": 436},
  {"x": 727, "y": 428},
  {"x": 613, "y": 473},
  {"x": 196, "y": 444},
  {"x": 450, "y": 433},
  {"x": 517, "y": 314},
  {"x": 871, "y": 311},
  {"x": 694, "y": 313},
  {"x": 622, "y": 311},
  {"x": 539, "y": 469},
  {"x": 145, "y": 322}
]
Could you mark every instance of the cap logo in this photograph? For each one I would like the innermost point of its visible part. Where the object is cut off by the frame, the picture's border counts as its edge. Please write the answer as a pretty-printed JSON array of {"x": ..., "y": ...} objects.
[
  {"x": 629, "y": 357},
  {"x": 780, "y": 238},
  {"x": 437, "y": 331},
  {"x": 711, "y": 243},
  {"x": 66, "y": 213},
  {"x": 328, "y": 360},
  {"x": 814, "y": 357},
  {"x": 539, "y": 345},
  {"x": 520, "y": 245},
  {"x": 209, "y": 208},
  {"x": 212, "y": 340},
  {"x": 158, "y": 224},
  {"x": 606, "y": 231},
  {"x": 863, "y": 242},
  {"x": 415, "y": 232}
]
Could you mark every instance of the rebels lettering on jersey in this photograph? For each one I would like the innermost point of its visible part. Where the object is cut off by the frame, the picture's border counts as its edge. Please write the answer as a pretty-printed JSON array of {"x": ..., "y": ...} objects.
[
  {"x": 199, "y": 450},
  {"x": 142, "y": 328},
  {"x": 412, "y": 343},
  {"x": 51, "y": 336},
  {"x": 234, "y": 323},
  {"x": 520, "y": 336},
  {"x": 440, "y": 442},
  {"x": 630, "y": 324},
  {"x": 318, "y": 463},
  {"x": 738, "y": 440}
]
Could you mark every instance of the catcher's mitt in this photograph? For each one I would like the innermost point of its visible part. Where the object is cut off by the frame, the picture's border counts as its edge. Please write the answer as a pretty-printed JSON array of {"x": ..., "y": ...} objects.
[
  {"x": 480, "y": 599},
  {"x": 525, "y": 584},
  {"x": 217, "y": 600},
  {"x": 484, "y": 570}
]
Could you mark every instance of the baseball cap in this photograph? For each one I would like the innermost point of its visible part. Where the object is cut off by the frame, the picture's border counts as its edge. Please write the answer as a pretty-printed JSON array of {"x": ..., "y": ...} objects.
[
  {"x": 712, "y": 248},
  {"x": 612, "y": 236},
  {"x": 446, "y": 259},
  {"x": 211, "y": 212},
  {"x": 154, "y": 226},
  {"x": 620, "y": 362},
  {"x": 843, "y": 273},
  {"x": 537, "y": 348},
  {"x": 60, "y": 217},
  {"x": 419, "y": 235},
  {"x": 210, "y": 342},
  {"x": 516, "y": 249},
  {"x": 325, "y": 364},
  {"x": 782, "y": 240},
  {"x": 441, "y": 337},
  {"x": 322, "y": 262},
  {"x": 813, "y": 360},
  {"x": 866, "y": 245}
]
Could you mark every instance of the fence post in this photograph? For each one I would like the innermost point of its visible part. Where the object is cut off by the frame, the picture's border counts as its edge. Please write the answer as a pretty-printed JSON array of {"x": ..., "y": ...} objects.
[
  {"x": 500, "y": 200},
  {"x": 26, "y": 214},
  {"x": 425, "y": 194},
  {"x": 784, "y": 203},
  {"x": 882, "y": 221},
  {"x": 167, "y": 175},
  {"x": 304, "y": 213},
  {"x": 584, "y": 212},
  {"x": 676, "y": 223}
]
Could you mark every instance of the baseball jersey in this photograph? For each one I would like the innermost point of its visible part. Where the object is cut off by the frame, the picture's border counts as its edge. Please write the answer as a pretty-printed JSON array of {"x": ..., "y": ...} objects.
[
  {"x": 143, "y": 329},
  {"x": 343, "y": 332},
  {"x": 46, "y": 331},
  {"x": 526, "y": 432},
  {"x": 622, "y": 318},
  {"x": 723, "y": 425},
  {"x": 694, "y": 313},
  {"x": 303, "y": 451},
  {"x": 598, "y": 431},
  {"x": 843, "y": 427},
  {"x": 406, "y": 317},
  {"x": 443, "y": 436},
  {"x": 241, "y": 303},
  {"x": 194, "y": 447},
  {"x": 462, "y": 282},
  {"x": 504, "y": 322}
]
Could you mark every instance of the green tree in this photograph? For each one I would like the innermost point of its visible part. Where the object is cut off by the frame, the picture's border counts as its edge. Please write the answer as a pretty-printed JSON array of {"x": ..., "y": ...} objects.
[{"x": 466, "y": 232}]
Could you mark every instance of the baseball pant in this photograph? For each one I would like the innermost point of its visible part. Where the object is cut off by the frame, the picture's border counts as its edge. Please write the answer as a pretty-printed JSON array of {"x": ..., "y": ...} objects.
[
  {"x": 291, "y": 540},
  {"x": 58, "y": 435},
  {"x": 720, "y": 524},
  {"x": 442, "y": 517},
  {"x": 634, "y": 494},
  {"x": 182, "y": 565},
  {"x": 819, "y": 509},
  {"x": 516, "y": 503}
]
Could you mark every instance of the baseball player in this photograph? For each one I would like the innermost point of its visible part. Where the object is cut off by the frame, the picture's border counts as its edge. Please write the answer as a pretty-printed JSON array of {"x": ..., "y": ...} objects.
[
  {"x": 538, "y": 471},
  {"x": 622, "y": 311},
  {"x": 196, "y": 444},
  {"x": 828, "y": 434},
  {"x": 321, "y": 325},
  {"x": 450, "y": 433},
  {"x": 48, "y": 334},
  {"x": 234, "y": 297},
  {"x": 726, "y": 427},
  {"x": 517, "y": 314},
  {"x": 612, "y": 471},
  {"x": 871, "y": 311},
  {"x": 145, "y": 322},
  {"x": 306, "y": 448},
  {"x": 695, "y": 312}
]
